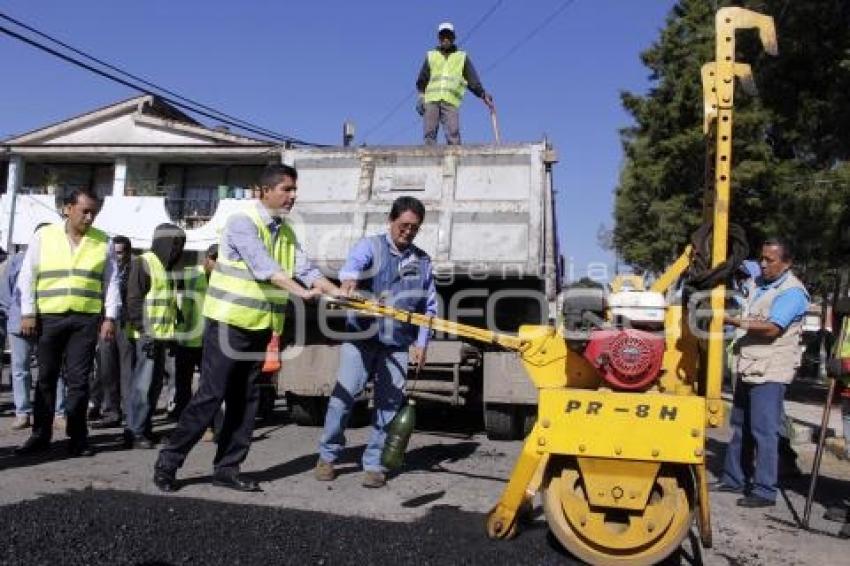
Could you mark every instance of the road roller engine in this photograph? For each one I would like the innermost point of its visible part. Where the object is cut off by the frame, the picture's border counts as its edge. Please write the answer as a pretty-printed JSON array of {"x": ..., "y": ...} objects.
[
  {"x": 629, "y": 383},
  {"x": 619, "y": 333}
]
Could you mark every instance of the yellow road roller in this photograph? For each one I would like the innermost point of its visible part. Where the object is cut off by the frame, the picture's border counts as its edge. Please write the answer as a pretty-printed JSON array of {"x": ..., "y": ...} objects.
[{"x": 629, "y": 383}]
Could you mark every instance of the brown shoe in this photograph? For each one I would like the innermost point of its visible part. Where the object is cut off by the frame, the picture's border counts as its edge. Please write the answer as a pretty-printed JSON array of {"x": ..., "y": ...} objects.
[
  {"x": 324, "y": 471},
  {"x": 374, "y": 479},
  {"x": 21, "y": 422}
]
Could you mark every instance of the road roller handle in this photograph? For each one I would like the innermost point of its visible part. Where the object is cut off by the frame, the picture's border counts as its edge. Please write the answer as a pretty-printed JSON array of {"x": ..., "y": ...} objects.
[
  {"x": 377, "y": 309},
  {"x": 542, "y": 348}
]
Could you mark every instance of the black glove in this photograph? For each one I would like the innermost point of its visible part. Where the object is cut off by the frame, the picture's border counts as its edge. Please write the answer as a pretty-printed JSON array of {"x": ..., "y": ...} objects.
[{"x": 420, "y": 106}]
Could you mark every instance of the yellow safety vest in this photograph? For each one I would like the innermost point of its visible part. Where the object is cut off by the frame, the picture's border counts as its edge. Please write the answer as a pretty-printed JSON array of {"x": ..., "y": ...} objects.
[
  {"x": 160, "y": 309},
  {"x": 192, "y": 305},
  {"x": 70, "y": 281},
  {"x": 236, "y": 298},
  {"x": 447, "y": 83}
]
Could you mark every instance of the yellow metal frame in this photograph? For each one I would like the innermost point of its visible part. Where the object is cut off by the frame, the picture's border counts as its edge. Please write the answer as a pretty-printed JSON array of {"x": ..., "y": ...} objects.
[{"x": 720, "y": 97}]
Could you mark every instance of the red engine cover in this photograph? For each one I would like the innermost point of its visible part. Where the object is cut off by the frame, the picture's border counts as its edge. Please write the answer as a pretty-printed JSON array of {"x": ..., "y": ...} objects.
[{"x": 628, "y": 359}]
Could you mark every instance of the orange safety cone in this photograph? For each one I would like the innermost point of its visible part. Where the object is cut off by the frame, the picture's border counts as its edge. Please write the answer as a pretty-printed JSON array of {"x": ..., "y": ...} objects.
[{"x": 272, "y": 361}]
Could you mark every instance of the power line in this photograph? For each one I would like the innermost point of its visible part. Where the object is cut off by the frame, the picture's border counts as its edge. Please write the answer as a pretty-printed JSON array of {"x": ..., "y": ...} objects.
[
  {"x": 412, "y": 93},
  {"x": 128, "y": 74},
  {"x": 174, "y": 99},
  {"x": 530, "y": 35},
  {"x": 480, "y": 22}
]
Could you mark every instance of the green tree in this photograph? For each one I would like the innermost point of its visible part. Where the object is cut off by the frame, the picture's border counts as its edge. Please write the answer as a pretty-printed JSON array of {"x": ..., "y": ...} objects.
[{"x": 791, "y": 143}]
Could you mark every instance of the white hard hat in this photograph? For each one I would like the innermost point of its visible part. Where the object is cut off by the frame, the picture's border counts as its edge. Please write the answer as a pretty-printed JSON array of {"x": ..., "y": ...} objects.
[{"x": 446, "y": 26}]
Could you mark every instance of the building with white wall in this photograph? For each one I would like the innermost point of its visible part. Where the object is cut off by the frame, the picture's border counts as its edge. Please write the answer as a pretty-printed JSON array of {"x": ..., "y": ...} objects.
[{"x": 148, "y": 160}]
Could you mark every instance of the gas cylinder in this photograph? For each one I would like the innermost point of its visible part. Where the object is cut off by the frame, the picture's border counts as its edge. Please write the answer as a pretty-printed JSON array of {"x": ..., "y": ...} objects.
[{"x": 398, "y": 435}]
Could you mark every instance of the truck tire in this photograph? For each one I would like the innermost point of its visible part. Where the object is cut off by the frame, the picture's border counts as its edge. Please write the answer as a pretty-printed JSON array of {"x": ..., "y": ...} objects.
[
  {"x": 501, "y": 422},
  {"x": 307, "y": 410},
  {"x": 265, "y": 406},
  {"x": 528, "y": 415}
]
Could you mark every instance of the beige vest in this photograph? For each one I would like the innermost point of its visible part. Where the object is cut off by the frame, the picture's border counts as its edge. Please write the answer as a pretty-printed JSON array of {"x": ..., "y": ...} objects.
[{"x": 762, "y": 359}]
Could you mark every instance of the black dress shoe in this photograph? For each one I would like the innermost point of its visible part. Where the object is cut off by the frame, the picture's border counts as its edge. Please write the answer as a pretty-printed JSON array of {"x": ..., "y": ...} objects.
[
  {"x": 164, "y": 481},
  {"x": 80, "y": 450},
  {"x": 755, "y": 502},
  {"x": 33, "y": 445},
  {"x": 94, "y": 414},
  {"x": 235, "y": 482}
]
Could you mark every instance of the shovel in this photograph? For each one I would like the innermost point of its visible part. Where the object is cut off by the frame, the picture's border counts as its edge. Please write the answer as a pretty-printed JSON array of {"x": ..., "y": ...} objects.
[{"x": 494, "y": 121}]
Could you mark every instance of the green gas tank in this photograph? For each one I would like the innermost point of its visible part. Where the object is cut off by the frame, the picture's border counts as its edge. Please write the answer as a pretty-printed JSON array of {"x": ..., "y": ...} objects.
[{"x": 398, "y": 435}]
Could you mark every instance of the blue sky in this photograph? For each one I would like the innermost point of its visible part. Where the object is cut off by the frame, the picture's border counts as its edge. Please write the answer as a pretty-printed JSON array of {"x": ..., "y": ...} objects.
[{"x": 304, "y": 67}]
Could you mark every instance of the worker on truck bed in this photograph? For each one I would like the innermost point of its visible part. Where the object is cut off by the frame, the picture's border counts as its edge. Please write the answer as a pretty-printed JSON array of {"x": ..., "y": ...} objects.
[
  {"x": 767, "y": 357},
  {"x": 259, "y": 259},
  {"x": 390, "y": 268},
  {"x": 445, "y": 75}
]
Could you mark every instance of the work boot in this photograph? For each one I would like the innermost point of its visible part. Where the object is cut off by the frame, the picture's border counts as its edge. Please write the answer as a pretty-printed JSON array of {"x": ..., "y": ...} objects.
[
  {"x": 755, "y": 502},
  {"x": 324, "y": 471},
  {"x": 374, "y": 479},
  {"x": 21, "y": 422},
  {"x": 131, "y": 441}
]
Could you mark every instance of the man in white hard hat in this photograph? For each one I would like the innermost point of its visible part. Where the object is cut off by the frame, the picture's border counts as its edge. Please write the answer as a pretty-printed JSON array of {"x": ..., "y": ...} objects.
[{"x": 444, "y": 77}]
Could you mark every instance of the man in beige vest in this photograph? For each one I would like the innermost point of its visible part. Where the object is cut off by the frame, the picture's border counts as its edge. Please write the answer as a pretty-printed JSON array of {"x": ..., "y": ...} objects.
[{"x": 767, "y": 358}]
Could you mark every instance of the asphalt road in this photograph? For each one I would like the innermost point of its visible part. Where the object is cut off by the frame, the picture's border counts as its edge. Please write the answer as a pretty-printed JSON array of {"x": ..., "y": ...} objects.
[
  {"x": 105, "y": 509},
  {"x": 113, "y": 527}
]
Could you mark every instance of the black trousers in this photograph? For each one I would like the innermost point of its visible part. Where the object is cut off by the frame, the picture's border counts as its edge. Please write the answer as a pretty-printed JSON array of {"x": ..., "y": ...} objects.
[
  {"x": 70, "y": 338},
  {"x": 111, "y": 382},
  {"x": 226, "y": 375},
  {"x": 185, "y": 361}
]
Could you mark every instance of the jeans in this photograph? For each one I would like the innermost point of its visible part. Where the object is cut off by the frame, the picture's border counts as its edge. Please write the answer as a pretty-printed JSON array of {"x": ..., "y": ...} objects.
[
  {"x": 145, "y": 386},
  {"x": 437, "y": 113},
  {"x": 357, "y": 361},
  {"x": 752, "y": 456},
  {"x": 21, "y": 354}
]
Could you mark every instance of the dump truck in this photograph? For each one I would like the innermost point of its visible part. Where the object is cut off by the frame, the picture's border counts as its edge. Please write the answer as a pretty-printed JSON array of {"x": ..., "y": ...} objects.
[{"x": 490, "y": 231}]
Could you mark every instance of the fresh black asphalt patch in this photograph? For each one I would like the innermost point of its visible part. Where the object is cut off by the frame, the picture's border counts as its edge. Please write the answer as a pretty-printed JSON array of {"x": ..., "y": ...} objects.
[{"x": 116, "y": 527}]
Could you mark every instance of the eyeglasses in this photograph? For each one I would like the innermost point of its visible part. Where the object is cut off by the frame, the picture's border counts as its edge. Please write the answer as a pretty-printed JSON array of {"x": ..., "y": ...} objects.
[{"x": 408, "y": 226}]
